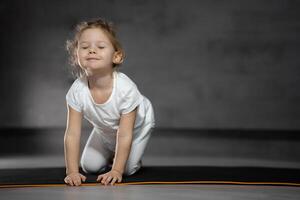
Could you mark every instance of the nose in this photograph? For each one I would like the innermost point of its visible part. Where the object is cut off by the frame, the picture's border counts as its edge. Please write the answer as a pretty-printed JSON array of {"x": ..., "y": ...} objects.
[{"x": 92, "y": 50}]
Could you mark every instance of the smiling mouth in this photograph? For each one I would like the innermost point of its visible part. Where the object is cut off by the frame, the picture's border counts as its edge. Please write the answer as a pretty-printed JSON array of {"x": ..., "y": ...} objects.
[{"x": 92, "y": 59}]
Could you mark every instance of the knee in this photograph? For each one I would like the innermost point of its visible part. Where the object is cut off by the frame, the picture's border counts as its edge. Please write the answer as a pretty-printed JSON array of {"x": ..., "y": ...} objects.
[
  {"x": 93, "y": 162},
  {"x": 132, "y": 168}
]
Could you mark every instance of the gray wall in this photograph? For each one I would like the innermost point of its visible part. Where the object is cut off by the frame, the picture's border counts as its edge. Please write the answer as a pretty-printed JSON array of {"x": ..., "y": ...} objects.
[{"x": 203, "y": 64}]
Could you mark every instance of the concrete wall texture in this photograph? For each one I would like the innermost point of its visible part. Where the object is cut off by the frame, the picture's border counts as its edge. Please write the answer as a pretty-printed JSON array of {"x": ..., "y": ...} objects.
[{"x": 203, "y": 64}]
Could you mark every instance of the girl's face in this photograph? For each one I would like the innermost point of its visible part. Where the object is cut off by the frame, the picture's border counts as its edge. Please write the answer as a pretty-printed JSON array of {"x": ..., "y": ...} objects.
[{"x": 95, "y": 51}]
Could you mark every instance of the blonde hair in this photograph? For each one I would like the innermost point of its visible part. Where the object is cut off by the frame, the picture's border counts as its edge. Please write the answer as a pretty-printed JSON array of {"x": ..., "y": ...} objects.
[{"x": 72, "y": 45}]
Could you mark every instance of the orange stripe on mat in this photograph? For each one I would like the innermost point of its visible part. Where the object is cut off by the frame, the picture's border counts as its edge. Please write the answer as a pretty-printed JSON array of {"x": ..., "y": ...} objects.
[{"x": 160, "y": 182}]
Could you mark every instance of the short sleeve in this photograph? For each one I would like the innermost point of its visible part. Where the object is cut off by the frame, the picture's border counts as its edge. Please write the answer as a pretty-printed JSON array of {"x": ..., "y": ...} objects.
[
  {"x": 130, "y": 100},
  {"x": 73, "y": 99}
]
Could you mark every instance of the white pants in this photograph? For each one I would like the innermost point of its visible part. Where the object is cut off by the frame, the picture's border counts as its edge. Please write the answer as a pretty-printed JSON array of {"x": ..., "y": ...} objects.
[{"x": 98, "y": 153}]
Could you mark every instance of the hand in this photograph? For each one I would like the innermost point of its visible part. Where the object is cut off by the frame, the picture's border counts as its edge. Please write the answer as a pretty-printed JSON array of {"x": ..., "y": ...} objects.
[
  {"x": 111, "y": 177},
  {"x": 74, "y": 179}
]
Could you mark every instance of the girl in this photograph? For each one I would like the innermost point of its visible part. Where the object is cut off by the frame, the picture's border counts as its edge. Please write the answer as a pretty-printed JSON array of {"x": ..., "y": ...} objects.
[{"x": 121, "y": 116}]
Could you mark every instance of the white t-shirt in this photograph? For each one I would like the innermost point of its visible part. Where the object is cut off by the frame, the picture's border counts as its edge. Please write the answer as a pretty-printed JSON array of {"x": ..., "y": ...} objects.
[{"x": 125, "y": 97}]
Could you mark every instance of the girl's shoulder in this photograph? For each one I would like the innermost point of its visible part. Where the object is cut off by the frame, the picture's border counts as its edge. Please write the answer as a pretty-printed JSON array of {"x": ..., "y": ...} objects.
[
  {"x": 78, "y": 85},
  {"x": 124, "y": 82}
]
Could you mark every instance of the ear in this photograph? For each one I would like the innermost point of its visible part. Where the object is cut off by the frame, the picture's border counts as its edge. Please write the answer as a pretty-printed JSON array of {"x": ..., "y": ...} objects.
[{"x": 118, "y": 57}]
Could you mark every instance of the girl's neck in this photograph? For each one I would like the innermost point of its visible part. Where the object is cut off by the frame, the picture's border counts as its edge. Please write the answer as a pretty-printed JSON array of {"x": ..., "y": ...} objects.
[{"x": 101, "y": 80}]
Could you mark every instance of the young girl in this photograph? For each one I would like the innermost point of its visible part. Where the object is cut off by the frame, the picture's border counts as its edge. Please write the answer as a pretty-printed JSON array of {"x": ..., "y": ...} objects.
[{"x": 121, "y": 116}]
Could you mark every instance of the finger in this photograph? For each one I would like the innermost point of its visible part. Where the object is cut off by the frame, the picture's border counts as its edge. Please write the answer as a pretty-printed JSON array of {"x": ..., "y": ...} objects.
[
  {"x": 108, "y": 180},
  {"x": 114, "y": 180},
  {"x": 104, "y": 179},
  {"x": 77, "y": 182},
  {"x": 119, "y": 179},
  {"x": 68, "y": 181},
  {"x": 100, "y": 177},
  {"x": 83, "y": 178},
  {"x": 75, "y": 179}
]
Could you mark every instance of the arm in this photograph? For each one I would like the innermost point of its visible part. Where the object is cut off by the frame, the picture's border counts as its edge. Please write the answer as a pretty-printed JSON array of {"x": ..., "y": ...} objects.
[
  {"x": 123, "y": 146},
  {"x": 72, "y": 146},
  {"x": 124, "y": 141}
]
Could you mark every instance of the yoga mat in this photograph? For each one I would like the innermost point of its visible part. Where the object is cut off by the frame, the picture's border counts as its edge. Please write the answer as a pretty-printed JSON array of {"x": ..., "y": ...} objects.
[{"x": 161, "y": 175}]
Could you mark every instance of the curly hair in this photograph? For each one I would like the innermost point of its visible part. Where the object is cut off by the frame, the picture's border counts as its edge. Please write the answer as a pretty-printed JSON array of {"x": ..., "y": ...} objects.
[{"x": 72, "y": 45}]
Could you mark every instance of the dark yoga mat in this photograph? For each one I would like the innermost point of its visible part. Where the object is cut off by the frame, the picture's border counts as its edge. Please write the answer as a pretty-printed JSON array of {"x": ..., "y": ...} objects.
[{"x": 161, "y": 174}]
